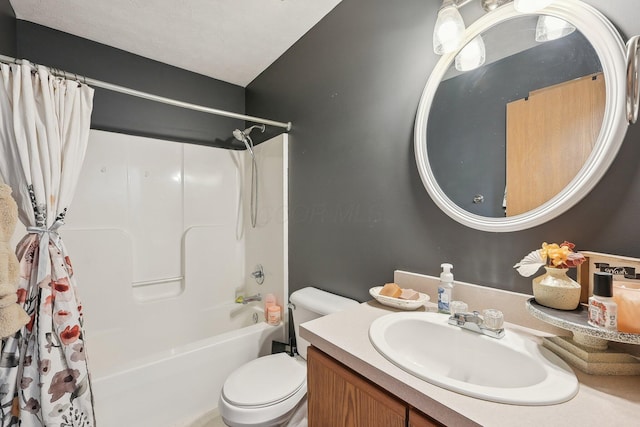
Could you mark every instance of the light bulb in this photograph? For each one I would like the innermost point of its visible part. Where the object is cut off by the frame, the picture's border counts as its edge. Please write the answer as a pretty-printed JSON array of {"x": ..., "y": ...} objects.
[
  {"x": 551, "y": 28},
  {"x": 471, "y": 56},
  {"x": 530, "y": 5},
  {"x": 448, "y": 31}
]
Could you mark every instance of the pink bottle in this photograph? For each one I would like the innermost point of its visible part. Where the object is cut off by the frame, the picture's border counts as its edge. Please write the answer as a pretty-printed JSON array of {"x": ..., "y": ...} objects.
[
  {"x": 274, "y": 315},
  {"x": 269, "y": 301}
]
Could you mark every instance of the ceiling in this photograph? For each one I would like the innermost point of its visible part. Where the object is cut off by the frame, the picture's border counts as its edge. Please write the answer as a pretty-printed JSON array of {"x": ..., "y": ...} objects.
[{"x": 229, "y": 40}]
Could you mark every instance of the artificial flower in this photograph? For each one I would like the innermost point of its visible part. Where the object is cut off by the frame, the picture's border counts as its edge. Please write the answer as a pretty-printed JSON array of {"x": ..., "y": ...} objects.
[{"x": 550, "y": 255}]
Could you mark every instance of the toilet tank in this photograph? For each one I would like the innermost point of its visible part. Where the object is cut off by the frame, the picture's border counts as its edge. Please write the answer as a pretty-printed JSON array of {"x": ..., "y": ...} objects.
[{"x": 310, "y": 303}]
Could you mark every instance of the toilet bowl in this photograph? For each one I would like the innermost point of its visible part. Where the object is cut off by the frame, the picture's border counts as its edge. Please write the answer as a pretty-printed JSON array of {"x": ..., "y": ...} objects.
[
  {"x": 264, "y": 392},
  {"x": 267, "y": 391}
]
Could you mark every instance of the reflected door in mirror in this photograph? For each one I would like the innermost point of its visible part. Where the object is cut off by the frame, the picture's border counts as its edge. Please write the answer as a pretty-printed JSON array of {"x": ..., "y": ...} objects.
[{"x": 550, "y": 135}]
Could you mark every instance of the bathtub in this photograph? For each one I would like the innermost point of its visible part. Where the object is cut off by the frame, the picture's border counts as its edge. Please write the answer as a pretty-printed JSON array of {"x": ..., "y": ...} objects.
[{"x": 177, "y": 385}]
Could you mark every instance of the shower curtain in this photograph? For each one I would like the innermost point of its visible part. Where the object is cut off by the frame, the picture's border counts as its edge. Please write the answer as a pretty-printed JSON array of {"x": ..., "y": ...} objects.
[{"x": 44, "y": 130}]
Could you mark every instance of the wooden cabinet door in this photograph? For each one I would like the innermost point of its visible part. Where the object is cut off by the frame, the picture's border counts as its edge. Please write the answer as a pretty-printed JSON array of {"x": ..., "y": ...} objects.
[
  {"x": 338, "y": 397},
  {"x": 418, "y": 419}
]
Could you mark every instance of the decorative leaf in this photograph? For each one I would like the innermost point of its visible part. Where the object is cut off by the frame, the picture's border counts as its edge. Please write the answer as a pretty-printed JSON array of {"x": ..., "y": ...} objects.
[
  {"x": 80, "y": 389},
  {"x": 530, "y": 264}
]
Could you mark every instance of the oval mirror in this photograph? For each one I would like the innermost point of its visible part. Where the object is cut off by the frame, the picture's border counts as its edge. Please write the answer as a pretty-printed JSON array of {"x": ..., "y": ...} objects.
[{"x": 521, "y": 138}]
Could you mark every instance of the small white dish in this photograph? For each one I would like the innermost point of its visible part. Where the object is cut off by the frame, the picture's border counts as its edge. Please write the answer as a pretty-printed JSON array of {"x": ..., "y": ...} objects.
[{"x": 403, "y": 304}]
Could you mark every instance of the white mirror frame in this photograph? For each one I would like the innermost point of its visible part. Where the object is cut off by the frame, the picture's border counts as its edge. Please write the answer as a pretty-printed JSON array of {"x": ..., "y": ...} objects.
[{"x": 610, "y": 48}]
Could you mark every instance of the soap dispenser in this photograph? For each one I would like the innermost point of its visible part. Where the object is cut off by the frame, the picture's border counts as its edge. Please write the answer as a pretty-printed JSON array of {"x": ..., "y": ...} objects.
[{"x": 445, "y": 289}]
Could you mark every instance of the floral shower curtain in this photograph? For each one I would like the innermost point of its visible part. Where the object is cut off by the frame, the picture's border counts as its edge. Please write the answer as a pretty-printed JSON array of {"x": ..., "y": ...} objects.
[{"x": 44, "y": 130}]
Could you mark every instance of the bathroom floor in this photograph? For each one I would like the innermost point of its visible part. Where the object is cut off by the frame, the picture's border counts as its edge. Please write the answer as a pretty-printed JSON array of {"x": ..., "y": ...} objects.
[
  {"x": 215, "y": 422},
  {"x": 214, "y": 419},
  {"x": 299, "y": 419}
]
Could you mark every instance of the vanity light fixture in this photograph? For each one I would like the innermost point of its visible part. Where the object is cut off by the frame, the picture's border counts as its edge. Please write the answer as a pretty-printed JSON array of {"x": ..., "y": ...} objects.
[
  {"x": 471, "y": 56},
  {"x": 449, "y": 29},
  {"x": 551, "y": 28},
  {"x": 449, "y": 32},
  {"x": 526, "y": 6}
]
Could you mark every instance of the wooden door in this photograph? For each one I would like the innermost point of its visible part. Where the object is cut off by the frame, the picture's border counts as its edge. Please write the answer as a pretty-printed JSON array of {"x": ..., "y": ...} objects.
[
  {"x": 550, "y": 135},
  {"x": 338, "y": 397}
]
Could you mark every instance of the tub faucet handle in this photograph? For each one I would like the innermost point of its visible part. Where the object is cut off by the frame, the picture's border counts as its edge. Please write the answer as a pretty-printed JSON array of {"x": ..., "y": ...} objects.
[{"x": 258, "y": 274}]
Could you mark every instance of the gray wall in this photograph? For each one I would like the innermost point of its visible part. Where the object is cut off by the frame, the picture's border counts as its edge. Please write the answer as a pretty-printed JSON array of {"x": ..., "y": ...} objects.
[
  {"x": 126, "y": 114},
  {"x": 7, "y": 29},
  {"x": 358, "y": 209}
]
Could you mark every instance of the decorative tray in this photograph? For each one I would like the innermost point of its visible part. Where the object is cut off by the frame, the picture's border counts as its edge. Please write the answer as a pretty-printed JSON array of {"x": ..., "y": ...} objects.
[
  {"x": 402, "y": 304},
  {"x": 576, "y": 321}
]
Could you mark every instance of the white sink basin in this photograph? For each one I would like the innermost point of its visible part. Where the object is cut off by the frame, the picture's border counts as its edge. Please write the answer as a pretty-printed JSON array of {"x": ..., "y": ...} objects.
[{"x": 512, "y": 370}]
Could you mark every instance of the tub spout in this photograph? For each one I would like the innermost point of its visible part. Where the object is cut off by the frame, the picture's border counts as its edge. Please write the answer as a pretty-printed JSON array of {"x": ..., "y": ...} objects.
[{"x": 244, "y": 300}]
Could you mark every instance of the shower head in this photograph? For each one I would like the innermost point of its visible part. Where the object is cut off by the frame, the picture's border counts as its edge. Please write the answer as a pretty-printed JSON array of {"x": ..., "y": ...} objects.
[
  {"x": 243, "y": 136},
  {"x": 240, "y": 135}
]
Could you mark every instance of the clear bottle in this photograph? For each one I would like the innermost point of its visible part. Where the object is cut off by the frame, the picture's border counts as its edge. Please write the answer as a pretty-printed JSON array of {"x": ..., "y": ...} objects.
[
  {"x": 445, "y": 289},
  {"x": 603, "y": 311}
]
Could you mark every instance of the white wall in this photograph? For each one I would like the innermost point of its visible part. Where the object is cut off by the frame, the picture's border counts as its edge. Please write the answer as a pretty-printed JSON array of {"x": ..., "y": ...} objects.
[{"x": 267, "y": 243}]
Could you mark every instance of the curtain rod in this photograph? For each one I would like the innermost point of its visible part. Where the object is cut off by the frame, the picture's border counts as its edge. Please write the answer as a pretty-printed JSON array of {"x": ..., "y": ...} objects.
[{"x": 151, "y": 97}]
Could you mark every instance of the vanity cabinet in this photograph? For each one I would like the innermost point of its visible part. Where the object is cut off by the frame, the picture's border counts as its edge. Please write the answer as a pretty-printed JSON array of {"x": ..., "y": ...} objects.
[
  {"x": 339, "y": 397},
  {"x": 418, "y": 419}
]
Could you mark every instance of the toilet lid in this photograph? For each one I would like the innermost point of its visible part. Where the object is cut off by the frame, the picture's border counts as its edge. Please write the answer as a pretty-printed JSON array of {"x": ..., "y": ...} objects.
[{"x": 265, "y": 380}]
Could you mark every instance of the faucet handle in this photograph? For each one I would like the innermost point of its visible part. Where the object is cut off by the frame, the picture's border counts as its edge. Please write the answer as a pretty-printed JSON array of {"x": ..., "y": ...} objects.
[
  {"x": 458, "y": 307},
  {"x": 493, "y": 319}
]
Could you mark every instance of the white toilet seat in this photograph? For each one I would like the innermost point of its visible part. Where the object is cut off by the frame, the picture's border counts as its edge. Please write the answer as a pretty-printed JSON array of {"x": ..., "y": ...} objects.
[{"x": 263, "y": 392}]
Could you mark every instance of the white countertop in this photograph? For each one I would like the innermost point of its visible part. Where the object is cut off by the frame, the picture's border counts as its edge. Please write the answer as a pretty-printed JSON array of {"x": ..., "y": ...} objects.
[{"x": 601, "y": 401}]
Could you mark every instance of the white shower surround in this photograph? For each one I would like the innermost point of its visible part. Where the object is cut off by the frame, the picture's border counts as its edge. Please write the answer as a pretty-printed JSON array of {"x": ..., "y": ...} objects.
[{"x": 196, "y": 225}]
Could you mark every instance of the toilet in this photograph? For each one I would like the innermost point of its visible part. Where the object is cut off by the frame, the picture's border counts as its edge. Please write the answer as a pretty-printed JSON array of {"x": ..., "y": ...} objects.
[{"x": 267, "y": 391}]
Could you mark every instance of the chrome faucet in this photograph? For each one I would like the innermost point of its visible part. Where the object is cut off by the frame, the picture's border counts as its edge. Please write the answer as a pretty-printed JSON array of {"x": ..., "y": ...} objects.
[
  {"x": 252, "y": 298},
  {"x": 491, "y": 325}
]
